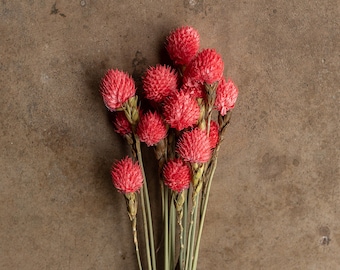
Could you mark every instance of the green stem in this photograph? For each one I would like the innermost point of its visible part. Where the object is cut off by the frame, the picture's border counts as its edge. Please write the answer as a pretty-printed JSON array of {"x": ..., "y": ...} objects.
[
  {"x": 146, "y": 232},
  {"x": 192, "y": 231},
  {"x": 203, "y": 214},
  {"x": 145, "y": 194},
  {"x": 182, "y": 219},
  {"x": 206, "y": 191},
  {"x": 135, "y": 240},
  {"x": 166, "y": 228},
  {"x": 172, "y": 232}
]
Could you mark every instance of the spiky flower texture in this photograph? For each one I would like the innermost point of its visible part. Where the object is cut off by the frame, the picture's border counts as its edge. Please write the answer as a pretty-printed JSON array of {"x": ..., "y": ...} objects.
[
  {"x": 159, "y": 82},
  {"x": 207, "y": 68},
  {"x": 177, "y": 175},
  {"x": 116, "y": 88},
  {"x": 213, "y": 134},
  {"x": 181, "y": 110},
  {"x": 182, "y": 45},
  {"x": 126, "y": 176},
  {"x": 226, "y": 96},
  {"x": 151, "y": 128},
  {"x": 194, "y": 146},
  {"x": 121, "y": 125}
]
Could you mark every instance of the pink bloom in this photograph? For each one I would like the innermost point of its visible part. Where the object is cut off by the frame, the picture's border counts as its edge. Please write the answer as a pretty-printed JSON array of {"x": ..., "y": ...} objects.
[
  {"x": 194, "y": 146},
  {"x": 177, "y": 175},
  {"x": 181, "y": 110},
  {"x": 213, "y": 134},
  {"x": 207, "y": 67},
  {"x": 116, "y": 88},
  {"x": 226, "y": 96},
  {"x": 121, "y": 125},
  {"x": 182, "y": 45},
  {"x": 159, "y": 82},
  {"x": 126, "y": 176},
  {"x": 196, "y": 91},
  {"x": 151, "y": 128}
]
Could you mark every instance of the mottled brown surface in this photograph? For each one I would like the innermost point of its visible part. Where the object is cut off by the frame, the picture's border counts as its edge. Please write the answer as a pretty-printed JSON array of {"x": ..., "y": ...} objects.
[{"x": 276, "y": 195}]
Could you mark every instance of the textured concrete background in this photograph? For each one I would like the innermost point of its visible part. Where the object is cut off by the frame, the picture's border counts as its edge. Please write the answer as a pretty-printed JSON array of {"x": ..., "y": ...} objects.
[{"x": 276, "y": 196}]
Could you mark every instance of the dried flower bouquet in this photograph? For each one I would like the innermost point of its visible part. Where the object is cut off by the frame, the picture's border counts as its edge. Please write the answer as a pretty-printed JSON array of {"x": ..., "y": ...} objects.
[{"x": 179, "y": 123}]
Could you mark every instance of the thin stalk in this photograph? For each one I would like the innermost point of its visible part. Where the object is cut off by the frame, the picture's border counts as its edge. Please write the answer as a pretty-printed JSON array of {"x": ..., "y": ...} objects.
[
  {"x": 146, "y": 232},
  {"x": 172, "y": 232},
  {"x": 145, "y": 194},
  {"x": 192, "y": 231},
  {"x": 203, "y": 214},
  {"x": 182, "y": 219},
  {"x": 166, "y": 229},
  {"x": 135, "y": 240},
  {"x": 225, "y": 122}
]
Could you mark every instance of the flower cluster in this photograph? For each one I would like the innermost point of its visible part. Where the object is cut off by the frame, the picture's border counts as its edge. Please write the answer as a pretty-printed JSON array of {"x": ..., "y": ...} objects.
[{"x": 181, "y": 124}]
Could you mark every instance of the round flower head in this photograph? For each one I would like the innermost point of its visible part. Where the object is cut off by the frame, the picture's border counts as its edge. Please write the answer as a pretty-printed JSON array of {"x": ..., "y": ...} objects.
[
  {"x": 121, "y": 125},
  {"x": 116, "y": 88},
  {"x": 213, "y": 134},
  {"x": 126, "y": 176},
  {"x": 207, "y": 67},
  {"x": 181, "y": 110},
  {"x": 151, "y": 128},
  {"x": 182, "y": 45},
  {"x": 159, "y": 82},
  {"x": 177, "y": 175},
  {"x": 194, "y": 146},
  {"x": 226, "y": 96}
]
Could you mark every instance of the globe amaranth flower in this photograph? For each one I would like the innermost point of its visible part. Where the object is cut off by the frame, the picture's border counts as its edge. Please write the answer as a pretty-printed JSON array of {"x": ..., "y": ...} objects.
[
  {"x": 207, "y": 68},
  {"x": 121, "y": 124},
  {"x": 213, "y": 134},
  {"x": 194, "y": 146},
  {"x": 182, "y": 45},
  {"x": 159, "y": 82},
  {"x": 126, "y": 175},
  {"x": 177, "y": 175},
  {"x": 151, "y": 128},
  {"x": 226, "y": 96},
  {"x": 196, "y": 91},
  {"x": 116, "y": 88},
  {"x": 181, "y": 110}
]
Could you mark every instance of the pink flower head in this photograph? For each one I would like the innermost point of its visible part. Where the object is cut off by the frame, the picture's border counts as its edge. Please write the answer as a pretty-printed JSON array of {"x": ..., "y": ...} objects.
[
  {"x": 207, "y": 67},
  {"x": 226, "y": 96},
  {"x": 181, "y": 110},
  {"x": 194, "y": 146},
  {"x": 159, "y": 82},
  {"x": 177, "y": 175},
  {"x": 196, "y": 91},
  {"x": 151, "y": 128},
  {"x": 127, "y": 176},
  {"x": 213, "y": 134},
  {"x": 116, "y": 88},
  {"x": 182, "y": 45},
  {"x": 121, "y": 125}
]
